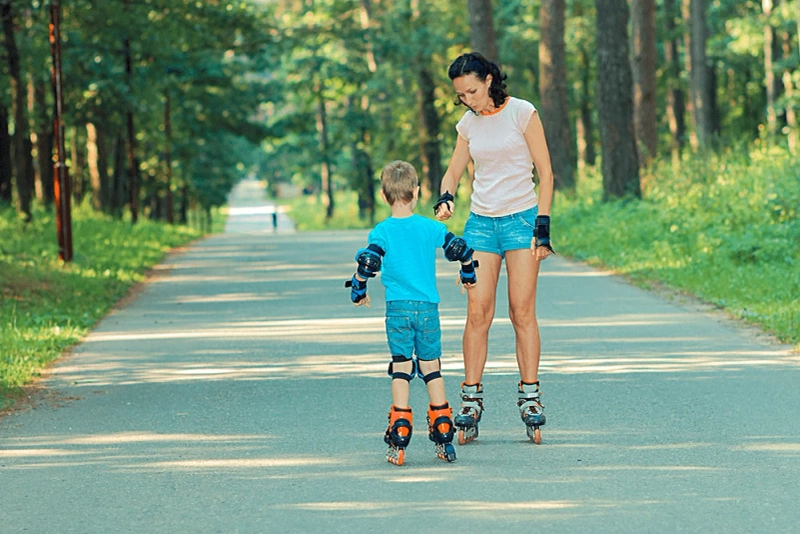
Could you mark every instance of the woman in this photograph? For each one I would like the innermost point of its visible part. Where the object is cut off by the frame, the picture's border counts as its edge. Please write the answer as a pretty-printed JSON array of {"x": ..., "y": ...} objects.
[{"x": 504, "y": 137}]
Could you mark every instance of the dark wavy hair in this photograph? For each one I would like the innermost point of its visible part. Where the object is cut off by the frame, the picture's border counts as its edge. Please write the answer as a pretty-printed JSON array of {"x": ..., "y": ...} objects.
[{"x": 474, "y": 63}]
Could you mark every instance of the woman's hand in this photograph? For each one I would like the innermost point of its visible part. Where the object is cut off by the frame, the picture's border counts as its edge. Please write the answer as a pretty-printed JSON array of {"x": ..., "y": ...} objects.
[
  {"x": 540, "y": 253},
  {"x": 444, "y": 207}
]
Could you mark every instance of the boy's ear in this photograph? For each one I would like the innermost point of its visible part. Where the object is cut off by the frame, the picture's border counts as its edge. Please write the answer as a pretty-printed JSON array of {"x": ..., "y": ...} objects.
[{"x": 383, "y": 196}]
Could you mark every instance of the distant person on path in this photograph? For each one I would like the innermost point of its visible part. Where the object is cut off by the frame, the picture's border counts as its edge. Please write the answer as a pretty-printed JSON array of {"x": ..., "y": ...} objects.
[
  {"x": 504, "y": 138},
  {"x": 403, "y": 248}
]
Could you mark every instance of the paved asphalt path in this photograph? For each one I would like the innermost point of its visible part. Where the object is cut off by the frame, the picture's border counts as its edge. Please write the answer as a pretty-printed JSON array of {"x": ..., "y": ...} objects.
[{"x": 242, "y": 392}]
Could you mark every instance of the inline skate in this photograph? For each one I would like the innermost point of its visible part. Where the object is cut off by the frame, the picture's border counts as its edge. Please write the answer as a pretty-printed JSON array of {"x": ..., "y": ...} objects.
[
  {"x": 398, "y": 434},
  {"x": 470, "y": 412},
  {"x": 531, "y": 410},
  {"x": 440, "y": 431}
]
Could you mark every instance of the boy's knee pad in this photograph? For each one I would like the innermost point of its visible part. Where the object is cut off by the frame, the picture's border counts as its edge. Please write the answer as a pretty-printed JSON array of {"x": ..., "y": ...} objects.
[
  {"x": 435, "y": 374},
  {"x": 402, "y": 376}
]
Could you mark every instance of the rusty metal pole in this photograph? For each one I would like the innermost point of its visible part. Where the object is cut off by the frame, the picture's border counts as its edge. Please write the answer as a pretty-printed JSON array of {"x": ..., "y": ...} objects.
[{"x": 60, "y": 170}]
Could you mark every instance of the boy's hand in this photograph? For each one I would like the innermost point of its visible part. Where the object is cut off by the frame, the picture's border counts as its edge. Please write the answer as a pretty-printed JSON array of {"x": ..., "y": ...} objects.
[
  {"x": 467, "y": 276},
  {"x": 358, "y": 291}
]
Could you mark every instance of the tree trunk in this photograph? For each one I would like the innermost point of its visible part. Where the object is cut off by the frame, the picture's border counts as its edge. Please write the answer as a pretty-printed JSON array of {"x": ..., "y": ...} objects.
[
  {"x": 96, "y": 163},
  {"x": 702, "y": 88},
  {"x": 366, "y": 197},
  {"x": 133, "y": 169},
  {"x": 585, "y": 128},
  {"x": 615, "y": 101},
  {"x": 5, "y": 158},
  {"x": 676, "y": 101},
  {"x": 789, "y": 89},
  {"x": 553, "y": 92},
  {"x": 429, "y": 131},
  {"x": 183, "y": 210},
  {"x": 22, "y": 161},
  {"x": 481, "y": 29},
  {"x": 643, "y": 15},
  {"x": 769, "y": 67},
  {"x": 44, "y": 143},
  {"x": 78, "y": 166},
  {"x": 325, "y": 170},
  {"x": 119, "y": 181},
  {"x": 169, "y": 201}
]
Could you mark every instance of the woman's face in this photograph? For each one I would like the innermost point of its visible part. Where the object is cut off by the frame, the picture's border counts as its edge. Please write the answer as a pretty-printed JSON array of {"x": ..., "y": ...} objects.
[{"x": 474, "y": 92}]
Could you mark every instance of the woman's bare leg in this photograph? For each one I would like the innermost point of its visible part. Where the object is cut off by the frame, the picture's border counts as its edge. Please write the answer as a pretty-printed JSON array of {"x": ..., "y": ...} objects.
[
  {"x": 523, "y": 274},
  {"x": 480, "y": 313}
]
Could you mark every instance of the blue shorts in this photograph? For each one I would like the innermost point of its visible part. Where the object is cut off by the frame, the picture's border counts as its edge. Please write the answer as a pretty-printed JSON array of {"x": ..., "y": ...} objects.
[
  {"x": 500, "y": 234},
  {"x": 412, "y": 327}
]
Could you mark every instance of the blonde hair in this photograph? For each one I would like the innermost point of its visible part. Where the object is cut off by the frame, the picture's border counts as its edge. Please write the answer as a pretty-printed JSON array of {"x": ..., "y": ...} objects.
[{"x": 398, "y": 181}]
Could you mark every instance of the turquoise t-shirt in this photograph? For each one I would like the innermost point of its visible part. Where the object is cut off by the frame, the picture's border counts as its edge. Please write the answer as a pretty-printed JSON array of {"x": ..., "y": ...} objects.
[{"x": 409, "y": 267}]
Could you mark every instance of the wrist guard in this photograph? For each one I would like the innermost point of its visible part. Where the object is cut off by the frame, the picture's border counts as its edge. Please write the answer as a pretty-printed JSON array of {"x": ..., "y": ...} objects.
[
  {"x": 541, "y": 233},
  {"x": 467, "y": 272},
  {"x": 444, "y": 199},
  {"x": 358, "y": 289}
]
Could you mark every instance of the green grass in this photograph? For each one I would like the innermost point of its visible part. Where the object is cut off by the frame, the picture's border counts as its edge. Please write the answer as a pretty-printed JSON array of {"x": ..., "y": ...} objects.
[
  {"x": 48, "y": 306},
  {"x": 722, "y": 227}
]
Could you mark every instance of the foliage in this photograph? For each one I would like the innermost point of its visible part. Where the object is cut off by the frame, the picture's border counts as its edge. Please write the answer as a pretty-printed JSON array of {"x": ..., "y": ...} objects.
[
  {"x": 722, "y": 227},
  {"x": 46, "y": 305}
]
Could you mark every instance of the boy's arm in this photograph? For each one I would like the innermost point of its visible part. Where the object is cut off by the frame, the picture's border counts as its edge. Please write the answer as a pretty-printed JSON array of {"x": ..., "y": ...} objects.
[
  {"x": 369, "y": 264},
  {"x": 456, "y": 249}
]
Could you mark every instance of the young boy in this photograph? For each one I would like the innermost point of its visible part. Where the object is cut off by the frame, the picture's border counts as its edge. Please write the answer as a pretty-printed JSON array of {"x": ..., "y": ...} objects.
[{"x": 404, "y": 247}]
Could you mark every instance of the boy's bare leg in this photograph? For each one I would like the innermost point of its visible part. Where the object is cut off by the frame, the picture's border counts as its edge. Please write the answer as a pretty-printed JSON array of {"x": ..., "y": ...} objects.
[
  {"x": 399, "y": 386},
  {"x": 436, "y": 386}
]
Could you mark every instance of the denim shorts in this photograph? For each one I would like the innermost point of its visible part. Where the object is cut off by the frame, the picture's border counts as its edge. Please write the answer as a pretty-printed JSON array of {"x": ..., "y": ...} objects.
[
  {"x": 412, "y": 327},
  {"x": 500, "y": 234}
]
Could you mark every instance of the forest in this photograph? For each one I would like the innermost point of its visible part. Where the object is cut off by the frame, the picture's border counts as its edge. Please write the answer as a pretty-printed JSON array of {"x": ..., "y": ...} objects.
[{"x": 168, "y": 103}]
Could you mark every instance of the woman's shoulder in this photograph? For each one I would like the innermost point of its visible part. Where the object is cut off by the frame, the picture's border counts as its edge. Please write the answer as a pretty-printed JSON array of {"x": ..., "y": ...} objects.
[{"x": 521, "y": 104}]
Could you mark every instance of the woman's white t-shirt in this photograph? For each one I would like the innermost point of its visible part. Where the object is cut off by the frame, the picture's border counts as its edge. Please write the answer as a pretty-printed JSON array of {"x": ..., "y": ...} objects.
[{"x": 503, "y": 165}]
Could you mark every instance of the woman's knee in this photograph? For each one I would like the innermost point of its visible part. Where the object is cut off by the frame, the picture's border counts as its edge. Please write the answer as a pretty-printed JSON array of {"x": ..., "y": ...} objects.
[
  {"x": 480, "y": 318},
  {"x": 522, "y": 314}
]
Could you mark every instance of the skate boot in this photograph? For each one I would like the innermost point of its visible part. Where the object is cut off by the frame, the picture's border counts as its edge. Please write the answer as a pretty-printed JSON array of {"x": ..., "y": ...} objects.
[
  {"x": 469, "y": 414},
  {"x": 440, "y": 431},
  {"x": 398, "y": 434},
  {"x": 531, "y": 410}
]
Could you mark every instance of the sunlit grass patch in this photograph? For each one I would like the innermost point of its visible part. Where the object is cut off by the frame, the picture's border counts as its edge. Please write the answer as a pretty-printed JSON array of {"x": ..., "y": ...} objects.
[{"x": 47, "y": 305}]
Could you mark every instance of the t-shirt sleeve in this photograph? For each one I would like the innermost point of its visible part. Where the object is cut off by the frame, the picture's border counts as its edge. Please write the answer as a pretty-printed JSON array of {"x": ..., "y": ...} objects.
[
  {"x": 524, "y": 113},
  {"x": 377, "y": 237},
  {"x": 439, "y": 231},
  {"x": 463, "y": 127}
]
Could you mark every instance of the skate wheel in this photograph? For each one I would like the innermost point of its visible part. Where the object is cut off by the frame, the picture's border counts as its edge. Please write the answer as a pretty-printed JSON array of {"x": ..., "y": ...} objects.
[
  {"x": 396, "y": 457},
  {"x": 450, "y": 453},
  {"x": 466, "y": 435},
  {"x": 537, "y": 436}
]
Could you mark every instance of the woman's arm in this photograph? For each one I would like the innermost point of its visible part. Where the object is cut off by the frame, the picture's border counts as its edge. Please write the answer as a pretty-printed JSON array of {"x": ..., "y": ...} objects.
[
  {"x": 456, "y": 168},
  {"x": 537, "y": 144}
]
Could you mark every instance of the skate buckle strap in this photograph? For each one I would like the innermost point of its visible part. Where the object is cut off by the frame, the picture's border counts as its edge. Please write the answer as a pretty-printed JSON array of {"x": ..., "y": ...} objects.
[
  {"x": 471, "y": 399},
  {"x": 529, "y": 397}
]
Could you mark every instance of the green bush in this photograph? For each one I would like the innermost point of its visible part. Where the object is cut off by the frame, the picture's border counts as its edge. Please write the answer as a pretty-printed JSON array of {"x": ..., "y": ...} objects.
[{"x": 722, "y": 227}]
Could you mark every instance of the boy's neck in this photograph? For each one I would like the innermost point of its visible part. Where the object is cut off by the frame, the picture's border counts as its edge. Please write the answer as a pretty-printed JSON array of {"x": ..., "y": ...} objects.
[{"x": 401, "y": 210}]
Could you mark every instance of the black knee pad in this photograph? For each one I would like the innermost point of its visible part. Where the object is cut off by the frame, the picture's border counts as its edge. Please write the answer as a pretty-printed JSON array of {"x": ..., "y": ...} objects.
[
  {"x": 435, "y": 374},
  {"x": 402, "y": 376}
]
